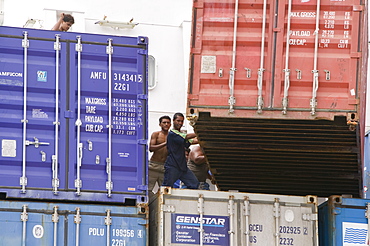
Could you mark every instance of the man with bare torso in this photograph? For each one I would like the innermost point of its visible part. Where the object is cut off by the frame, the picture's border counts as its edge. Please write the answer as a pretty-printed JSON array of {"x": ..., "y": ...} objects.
[{"x": 157, "y": 145}]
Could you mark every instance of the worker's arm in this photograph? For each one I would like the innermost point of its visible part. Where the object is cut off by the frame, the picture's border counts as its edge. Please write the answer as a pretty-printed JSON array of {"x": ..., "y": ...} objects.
[
  {"x": 153, "y": 146},
  {"x": 197, "y": 156},
  {"x": 57, "y": 25}
]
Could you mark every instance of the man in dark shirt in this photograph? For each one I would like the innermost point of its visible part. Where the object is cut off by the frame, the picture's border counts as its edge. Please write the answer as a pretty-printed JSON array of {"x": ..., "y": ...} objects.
[{"x": 175, "y": 165}]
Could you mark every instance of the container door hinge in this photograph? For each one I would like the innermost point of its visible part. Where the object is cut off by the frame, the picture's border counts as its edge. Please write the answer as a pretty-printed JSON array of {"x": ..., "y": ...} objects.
[
  {"x": 143, "y": 222},
  {"x": 24, "y": 214},
  {"x": 142, "y": 187},
  {"x": 142, "y": 52},
  {"x": 55, "y": 181},
  {"x": 108, "y": 219},
  {"x": 57, "y": 45},
  {"x": 23, "y": 181},
  {"x": 358, "y": 8},
  {"x": 142, "y": 141},
  {"x": 109, "y": 49},
  {"x": 142, "y": 97},
  {"x": 168, "y": 208},
  {"x": 55, "y": 215},
  {"x": 25, "y": 41},
  {"x": 78, "y": 46}
]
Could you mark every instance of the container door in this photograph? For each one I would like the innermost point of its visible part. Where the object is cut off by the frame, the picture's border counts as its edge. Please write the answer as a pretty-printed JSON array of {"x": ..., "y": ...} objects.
[
  {"x": 317, "y": 55},
  {"x": 108, "y": 145},
  {"x": 22, "y": 225},
  {"x": 231, "y": 47},
  {"x": 29, "y": 112},
  {"x": 296, "y": 59},
  {"x": 96, "y": 226},
  {"x": 344, "y": 221}
]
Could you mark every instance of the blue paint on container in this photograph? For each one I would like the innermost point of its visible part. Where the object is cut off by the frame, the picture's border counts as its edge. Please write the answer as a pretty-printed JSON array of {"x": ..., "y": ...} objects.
[{"x": 73, "y": 116}]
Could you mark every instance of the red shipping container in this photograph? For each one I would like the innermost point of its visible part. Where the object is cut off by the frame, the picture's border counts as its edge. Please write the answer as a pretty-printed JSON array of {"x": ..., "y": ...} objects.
[{"x": 290, "y": 76}]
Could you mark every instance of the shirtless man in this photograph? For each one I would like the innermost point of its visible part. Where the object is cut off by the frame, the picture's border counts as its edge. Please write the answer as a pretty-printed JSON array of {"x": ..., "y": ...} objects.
[
  {"x": 157, "y": 145},
  {"x": 64, "y": 23},
  {"x": 198, "y": 165}
]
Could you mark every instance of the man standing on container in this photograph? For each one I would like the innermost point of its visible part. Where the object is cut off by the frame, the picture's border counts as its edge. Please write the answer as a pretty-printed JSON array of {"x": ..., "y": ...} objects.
[
  {"x": 175, "y": 165},
  {"x": 64, "y": 23},
  {"x": 157, "y": 145}
]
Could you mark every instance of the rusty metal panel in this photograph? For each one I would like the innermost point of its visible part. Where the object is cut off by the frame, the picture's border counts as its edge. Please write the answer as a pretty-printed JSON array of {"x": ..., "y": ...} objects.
[{"x": 290, "y": 157}]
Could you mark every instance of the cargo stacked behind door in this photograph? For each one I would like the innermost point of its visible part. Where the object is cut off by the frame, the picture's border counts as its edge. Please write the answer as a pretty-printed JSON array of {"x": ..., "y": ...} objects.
[
  {"x": 276, "y": 92},
  {"x": 73, "y": 116}
]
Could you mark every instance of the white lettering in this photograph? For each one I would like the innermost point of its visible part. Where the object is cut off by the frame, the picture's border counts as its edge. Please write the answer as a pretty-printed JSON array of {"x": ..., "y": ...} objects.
[
  {"x": 300, "y": 33},
  {"x": 94, "y": 128},
  {"x": 97, "y": 101},
  {"x": 297, "y": 41},
  {"x": 96, "y": 232},
  {"x": 303, "y": 14},
  {"x": 90, "y": 109},
  {"x": 196, "y": 220},
  {"x": 94, "y": 119},
  {"x": 98, "y": 75},
  {"x": 11, "y": 74}
]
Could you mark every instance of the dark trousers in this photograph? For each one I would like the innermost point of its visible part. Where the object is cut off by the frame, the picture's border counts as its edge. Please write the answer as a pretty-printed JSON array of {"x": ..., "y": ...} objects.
[{"x": 172, "y": 174}]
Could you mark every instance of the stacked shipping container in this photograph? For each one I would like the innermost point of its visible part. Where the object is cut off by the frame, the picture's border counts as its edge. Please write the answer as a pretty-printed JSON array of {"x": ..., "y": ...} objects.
[
  {"x": 194, "y": 217},
  {"x": 73, "y": 116},
  {"x": 276, "y": 93},
  {"x": 73, "y": 130}
]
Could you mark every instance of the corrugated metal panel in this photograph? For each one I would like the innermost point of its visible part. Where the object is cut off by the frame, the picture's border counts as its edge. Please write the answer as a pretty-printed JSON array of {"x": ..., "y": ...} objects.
[
  {"x": 185, "y": 217},
  {"x": 296, "y": 157},
  {"x": 43, "y": 223},
  {"x": 292, "y": 59},
  {"x": 73, "y": 113}
]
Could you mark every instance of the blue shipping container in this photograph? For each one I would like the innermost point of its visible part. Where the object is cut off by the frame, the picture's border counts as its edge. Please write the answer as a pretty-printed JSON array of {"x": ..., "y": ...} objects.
[
  {"x": 73, "y": 115},
  {"x": 344, "y": 222},
  {"x": 41, "y": 223}
]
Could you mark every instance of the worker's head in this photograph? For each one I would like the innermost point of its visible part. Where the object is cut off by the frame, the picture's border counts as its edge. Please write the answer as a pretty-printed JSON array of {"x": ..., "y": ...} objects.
[
  {"x": 67, "y": 22},
  {"x": 178, "y": 121},
  {"x": 165, "y": 122}
]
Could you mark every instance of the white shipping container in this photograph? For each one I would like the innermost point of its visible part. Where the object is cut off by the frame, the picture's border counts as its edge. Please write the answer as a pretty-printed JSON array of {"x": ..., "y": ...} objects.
[{"x": 182, "y": 217}]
